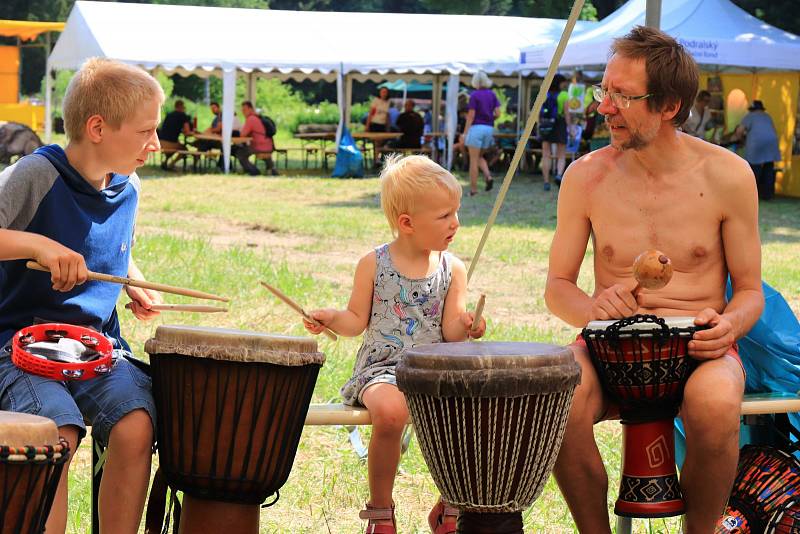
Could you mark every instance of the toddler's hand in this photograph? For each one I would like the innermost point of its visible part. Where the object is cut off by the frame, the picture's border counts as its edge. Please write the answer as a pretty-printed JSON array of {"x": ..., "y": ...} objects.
[
  {"x": 324, "y": 317},
  {"x": 476, "y": 331}
]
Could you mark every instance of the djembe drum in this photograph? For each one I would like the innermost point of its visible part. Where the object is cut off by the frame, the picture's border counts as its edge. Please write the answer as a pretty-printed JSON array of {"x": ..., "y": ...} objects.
[
  {"x": 31, "y": 459},
  {"x": 490, "y": 418},
  {"x": 231, "y": 407},
  {"x": 766, "y": 480},
  {"x": 643, "y": 364},
  {"x": 786, "y": 520}
]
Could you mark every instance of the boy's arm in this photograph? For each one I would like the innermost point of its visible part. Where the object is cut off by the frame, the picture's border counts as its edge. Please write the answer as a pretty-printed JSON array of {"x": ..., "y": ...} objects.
[
  {"x": 456, "y": 320},
  {"x": 353, "y": 320},
  {"x": 141, "y": 299},
  {"x": 67, "y": 267}
]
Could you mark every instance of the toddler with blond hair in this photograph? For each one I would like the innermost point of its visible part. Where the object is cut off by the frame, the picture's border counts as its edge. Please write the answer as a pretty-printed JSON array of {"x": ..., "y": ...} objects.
[{"x": 405, "y": 293}]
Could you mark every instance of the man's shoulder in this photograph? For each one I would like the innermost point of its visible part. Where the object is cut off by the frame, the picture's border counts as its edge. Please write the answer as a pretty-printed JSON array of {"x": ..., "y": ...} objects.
[{"x": 601, "y": 159}]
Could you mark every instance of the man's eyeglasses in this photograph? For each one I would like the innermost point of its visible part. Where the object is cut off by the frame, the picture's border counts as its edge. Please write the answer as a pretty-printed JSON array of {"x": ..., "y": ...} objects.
[{"x": 619, "y": 100}]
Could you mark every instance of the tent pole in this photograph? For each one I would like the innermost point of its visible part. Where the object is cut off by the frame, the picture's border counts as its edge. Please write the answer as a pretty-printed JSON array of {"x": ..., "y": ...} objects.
[
  {"x": 348, "y": 98},
  {"x": 340, "y": 102},
  {"x": 451, "y": 116},
  {"x": 653, "y": 15},
  {"x": 228, "y": 103},
  {"x": 436, "y": 102},
  {"x": 251, "y": 88}
]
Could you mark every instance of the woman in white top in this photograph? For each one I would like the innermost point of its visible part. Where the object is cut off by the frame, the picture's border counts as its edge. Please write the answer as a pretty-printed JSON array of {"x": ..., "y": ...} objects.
[{"x": 378, "y": 117}]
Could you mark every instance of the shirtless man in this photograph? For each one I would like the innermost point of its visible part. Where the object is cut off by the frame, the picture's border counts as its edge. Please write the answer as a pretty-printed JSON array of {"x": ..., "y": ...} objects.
[{"x": 658, "y": 188}]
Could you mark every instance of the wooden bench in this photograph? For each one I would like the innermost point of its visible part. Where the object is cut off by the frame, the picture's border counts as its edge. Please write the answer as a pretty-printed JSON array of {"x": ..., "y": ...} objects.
[{"x": 351, "y": 416}]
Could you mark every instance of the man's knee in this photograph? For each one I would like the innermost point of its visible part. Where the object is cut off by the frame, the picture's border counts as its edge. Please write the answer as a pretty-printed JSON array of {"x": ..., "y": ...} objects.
[
  {"x": 588, "y": 401},
  {"x": 711, "y": 409}
]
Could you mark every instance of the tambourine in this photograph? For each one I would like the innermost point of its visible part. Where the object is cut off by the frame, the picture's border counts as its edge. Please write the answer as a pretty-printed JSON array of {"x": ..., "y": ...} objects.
[{"x": 97, "y": 352}]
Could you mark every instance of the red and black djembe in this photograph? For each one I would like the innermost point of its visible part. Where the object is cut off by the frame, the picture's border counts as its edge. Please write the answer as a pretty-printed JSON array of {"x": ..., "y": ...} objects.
[
  {"x": 767, "y": 480},
  {"x": 643, "y": 364}
]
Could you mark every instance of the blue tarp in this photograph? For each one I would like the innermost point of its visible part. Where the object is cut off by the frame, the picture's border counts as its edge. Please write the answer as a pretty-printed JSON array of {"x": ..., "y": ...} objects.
[{"x": 770, "y": 353}]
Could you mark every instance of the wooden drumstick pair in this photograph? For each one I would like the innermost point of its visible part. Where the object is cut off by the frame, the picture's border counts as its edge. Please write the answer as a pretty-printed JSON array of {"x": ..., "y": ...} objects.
[
  {"x": 296, "y": 307},
  {"x": 652, "y": 270},
  {"x": 152, "y": 285}
]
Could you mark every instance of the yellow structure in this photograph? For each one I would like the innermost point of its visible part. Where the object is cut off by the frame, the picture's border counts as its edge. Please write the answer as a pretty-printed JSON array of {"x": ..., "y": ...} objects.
[
  {"x": 11, "y": 109},
  {"x": 779, "y": 92}
]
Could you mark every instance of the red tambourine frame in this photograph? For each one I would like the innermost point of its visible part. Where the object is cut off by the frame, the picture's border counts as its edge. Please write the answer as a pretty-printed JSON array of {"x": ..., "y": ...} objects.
[{"x": 61, "y": 370}]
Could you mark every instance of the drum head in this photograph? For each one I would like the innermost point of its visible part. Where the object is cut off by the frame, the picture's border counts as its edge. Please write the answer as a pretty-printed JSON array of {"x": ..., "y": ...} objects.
[
  {"x": 487, "y": 369},
  {"x": 234, "y": 345},
  {"x": 672, "y": 322},
  {"x": 22, "y": 429}
]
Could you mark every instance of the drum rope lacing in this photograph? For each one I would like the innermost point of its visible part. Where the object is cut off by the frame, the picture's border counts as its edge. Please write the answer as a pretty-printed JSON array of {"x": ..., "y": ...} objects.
[{"x": 464, "y": 488}]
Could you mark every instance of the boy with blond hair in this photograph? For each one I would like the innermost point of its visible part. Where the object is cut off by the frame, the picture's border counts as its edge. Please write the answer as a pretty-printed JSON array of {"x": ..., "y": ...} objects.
[
  {"x": 74, "y": 210},
  {"x": 405, "y": 293}
]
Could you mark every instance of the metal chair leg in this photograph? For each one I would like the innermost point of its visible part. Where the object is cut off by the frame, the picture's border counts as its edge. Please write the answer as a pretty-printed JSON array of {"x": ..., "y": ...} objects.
[{"x": 98, "y": 461}]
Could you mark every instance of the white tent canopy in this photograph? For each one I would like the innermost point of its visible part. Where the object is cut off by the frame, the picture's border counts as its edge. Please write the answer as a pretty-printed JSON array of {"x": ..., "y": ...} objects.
[
  {"x": 716, "y": 32},
  {"x": 191, "y": 37},
  {"x": 297, "y": 44}
]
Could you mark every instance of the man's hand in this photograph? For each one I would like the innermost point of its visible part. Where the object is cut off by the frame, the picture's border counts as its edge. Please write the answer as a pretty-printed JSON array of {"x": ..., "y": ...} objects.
[
  {"x": 141, "y": 301},
  {"x": 615, "y": 302},
  {"x": 714, "y": 342},
  {"x": 324, "y": 317},
  {"x": 67, "y": 267}
]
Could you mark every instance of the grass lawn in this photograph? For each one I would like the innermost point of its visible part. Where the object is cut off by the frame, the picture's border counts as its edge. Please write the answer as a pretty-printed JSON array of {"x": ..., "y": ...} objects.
[{"x": 304, "y": 234}]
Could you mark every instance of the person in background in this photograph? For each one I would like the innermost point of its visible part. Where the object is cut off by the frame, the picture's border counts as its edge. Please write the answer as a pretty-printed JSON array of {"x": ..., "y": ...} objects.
[
  {"x": 412, "y": 125},
  {"x": 557, "y": 136},
  {"x": 760, "y": 147},
  {"x": 697, "y": 122},
  {"x": 176, "y": 122},
  {"x": 259, "y": 142},
  {"x": 378, "y": 119},
  {"x": 484, "y": 108}
]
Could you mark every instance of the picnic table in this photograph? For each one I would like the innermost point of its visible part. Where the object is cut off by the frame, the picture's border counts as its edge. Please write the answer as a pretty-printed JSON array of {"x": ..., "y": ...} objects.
[{"x": 236, "y": 140}]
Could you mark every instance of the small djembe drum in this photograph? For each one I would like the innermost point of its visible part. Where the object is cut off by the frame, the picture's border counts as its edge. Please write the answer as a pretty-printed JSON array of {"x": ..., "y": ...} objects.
[
  {"x": 31, "y": 459},
  {"x": 786, "y": 520},
  {"x": 231, "y": 407},
  {"x": 490, "y": 418},
  {"x": 767, "y": 479},
  {"x": 643, "y": 365}
]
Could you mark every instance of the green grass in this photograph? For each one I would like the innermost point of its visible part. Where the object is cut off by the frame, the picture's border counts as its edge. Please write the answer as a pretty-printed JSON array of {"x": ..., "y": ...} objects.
[{"x": 304, "y": 234}]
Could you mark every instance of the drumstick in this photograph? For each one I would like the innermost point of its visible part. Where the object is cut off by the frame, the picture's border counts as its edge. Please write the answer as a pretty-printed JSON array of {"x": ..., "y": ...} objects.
[
  {"x": 138, "y": 283},
  {"x": 296, "y": 307},
  {"x": 184, "y": 308},
  {"x": 476, "y": 321}
]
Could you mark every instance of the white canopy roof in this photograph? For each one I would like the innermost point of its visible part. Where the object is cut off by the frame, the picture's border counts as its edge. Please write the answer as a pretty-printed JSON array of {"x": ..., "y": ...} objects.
[
  {"x": 187, "y": 38},
  {"x": 716, "y": 32}
]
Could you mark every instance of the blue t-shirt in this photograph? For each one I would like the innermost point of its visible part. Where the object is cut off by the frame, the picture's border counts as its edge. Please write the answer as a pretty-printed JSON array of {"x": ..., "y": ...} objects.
[
  {"x": 484, "y": 102},
  {"x": 43, "y": 194},
  {"x": 761, "y": 145}
]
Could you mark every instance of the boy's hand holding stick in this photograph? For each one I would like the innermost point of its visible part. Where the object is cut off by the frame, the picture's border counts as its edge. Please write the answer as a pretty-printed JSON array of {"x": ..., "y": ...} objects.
[
  {"x": 138, "y": 283},
  {"x": 296, "y": 307}
]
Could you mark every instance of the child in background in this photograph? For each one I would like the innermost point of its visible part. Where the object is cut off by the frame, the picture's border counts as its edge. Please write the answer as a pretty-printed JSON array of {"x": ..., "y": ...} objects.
[{"x": 405, "y": 293}]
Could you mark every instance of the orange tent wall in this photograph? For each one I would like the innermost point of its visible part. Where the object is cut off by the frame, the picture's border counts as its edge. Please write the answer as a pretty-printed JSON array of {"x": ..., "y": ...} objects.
[
  {"x": 779, "y": 92},
  {"x": 9, "y": 74}
]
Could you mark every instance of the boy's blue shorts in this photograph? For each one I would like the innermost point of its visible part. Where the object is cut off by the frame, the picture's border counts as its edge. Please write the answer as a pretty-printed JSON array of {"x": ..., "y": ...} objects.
[{"x": 101, "y": 401}]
